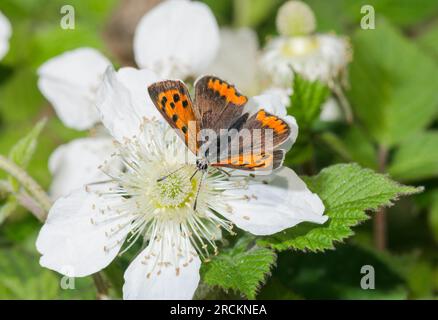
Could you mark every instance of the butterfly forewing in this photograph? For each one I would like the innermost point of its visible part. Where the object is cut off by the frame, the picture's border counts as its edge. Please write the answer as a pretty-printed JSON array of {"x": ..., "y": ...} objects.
[
  {"x": 172, "y": 99},
  {"x": 217, "y": 103}
]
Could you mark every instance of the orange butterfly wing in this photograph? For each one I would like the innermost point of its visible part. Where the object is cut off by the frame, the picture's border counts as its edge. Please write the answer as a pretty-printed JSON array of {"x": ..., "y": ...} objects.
[{"x": 172, "y": 99}]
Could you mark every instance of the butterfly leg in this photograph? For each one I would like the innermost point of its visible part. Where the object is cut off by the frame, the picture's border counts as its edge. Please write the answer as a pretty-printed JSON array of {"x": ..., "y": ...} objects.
[{"x": 199, "y": 188}]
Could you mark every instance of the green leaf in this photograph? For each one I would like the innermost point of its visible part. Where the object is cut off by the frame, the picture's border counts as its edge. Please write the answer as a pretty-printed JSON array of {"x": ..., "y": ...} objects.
[
  {"x": 393, "y": 89},
  {"x": 347, "y": 191},
  {"x": 22, "y": 152},
  {"x": 307, "y": 100},
  {"x": 417, "y": 158},
  {"x": 240, "y": 268}
]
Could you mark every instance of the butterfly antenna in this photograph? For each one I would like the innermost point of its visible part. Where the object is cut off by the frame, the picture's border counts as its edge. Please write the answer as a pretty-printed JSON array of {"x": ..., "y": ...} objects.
[
  {"x": 169, "y": 174},
  {"x": 197, "y": 191}
]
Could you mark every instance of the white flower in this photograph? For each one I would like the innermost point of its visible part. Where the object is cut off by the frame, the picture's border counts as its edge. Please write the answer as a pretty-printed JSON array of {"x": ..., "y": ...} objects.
[
  {"x": 177, "y": 39},
  {"x": 317, "y": 57},
  {"x": 70, "y": 82},
  {"x": 238, "y": 59},
  {"x": 76, "y": 163},
  {"x": 5, "y": 34},
  {"x": 86, "y": 229}
]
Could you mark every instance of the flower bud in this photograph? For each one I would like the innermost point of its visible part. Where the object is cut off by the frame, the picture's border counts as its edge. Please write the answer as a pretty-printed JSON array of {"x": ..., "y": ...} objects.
[{"x": 295, "y": 18}]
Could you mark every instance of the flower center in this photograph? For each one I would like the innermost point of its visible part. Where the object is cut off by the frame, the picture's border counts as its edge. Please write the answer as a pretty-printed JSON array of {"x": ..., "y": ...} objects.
[
  {"x": 299, "y": 46},
  {"x": 175, "y": 190}
]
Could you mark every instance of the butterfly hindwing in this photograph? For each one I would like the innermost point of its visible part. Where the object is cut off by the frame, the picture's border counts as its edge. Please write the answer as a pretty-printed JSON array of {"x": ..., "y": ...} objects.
[
  {"x": 172, "y": 99},
  {"x": 263, "y": 121},
  {"x": 249, "y": 150},
  {"x": 253, "y": 161},
  {"x": 217, "y": 103}
]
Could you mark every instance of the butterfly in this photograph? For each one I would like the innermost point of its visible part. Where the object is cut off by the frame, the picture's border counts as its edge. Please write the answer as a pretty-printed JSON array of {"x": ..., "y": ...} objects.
[{"x": 219, "y": 107}]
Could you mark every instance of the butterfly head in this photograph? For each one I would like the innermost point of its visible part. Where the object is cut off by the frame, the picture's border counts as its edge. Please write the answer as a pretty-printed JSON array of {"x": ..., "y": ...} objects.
[{"x": 202, "y": 164}]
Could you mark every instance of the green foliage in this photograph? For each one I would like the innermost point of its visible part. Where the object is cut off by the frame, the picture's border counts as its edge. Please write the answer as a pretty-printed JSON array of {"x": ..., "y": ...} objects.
[
  {"x": 306, "y": 103},
  {"x": 340, "y": 15},
  {"x": 354, "y": 146},
  {"x": 333, "y": 275},
  {"x": 417, "y": 157},
  {"x": 429, "y": 40},
  {"x": 242, "y": 268},
  {"x": 22, "y": 152},
  {"x": 347, "y": 191},
  {"x": 250, "y": 13},
  {"x": 307, "y": 99},
  {"x": 433, "y": 216},
  {"x": 393, "y": 95}
]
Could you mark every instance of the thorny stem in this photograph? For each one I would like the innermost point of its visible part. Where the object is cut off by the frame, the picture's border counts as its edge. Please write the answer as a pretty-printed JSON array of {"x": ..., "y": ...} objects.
[
  {"x": 28, "y": 183},
  {"x": 38, "y": 202},
  {"x": 380, "y": 216}
]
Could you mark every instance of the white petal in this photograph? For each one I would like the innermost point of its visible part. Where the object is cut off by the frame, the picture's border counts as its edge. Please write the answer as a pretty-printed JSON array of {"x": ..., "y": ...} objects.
[
  {"x": 176, "y": 39},
  {"x": 123, "y": 101},
  {"x": 74, "y": 240},
  {"x": 75, "y": 164},
  {"x": 265, "y": 209},
  {"x": 273, "y": 103},
  {"x": 5, "y": 34},
  {"x": 236, "y": 61},
  {"x": 70, "y": 81},
  {"x": 150, "y": 279}
]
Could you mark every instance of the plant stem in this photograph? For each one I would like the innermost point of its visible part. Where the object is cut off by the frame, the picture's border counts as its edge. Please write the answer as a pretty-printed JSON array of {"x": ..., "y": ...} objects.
[
  {"x": 39, "y": 203},
  {"x": 31, "y": 205},
  {"x": 380, "y": 216},
  {"x": 28, "y": 183},
  {"x": 343, "y": 102},
  {"x": 102, "y": 288}
]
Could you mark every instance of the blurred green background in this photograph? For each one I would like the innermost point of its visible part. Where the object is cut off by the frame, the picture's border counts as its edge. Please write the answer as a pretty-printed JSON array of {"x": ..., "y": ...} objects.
[{"x": 394, "y": 95}]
